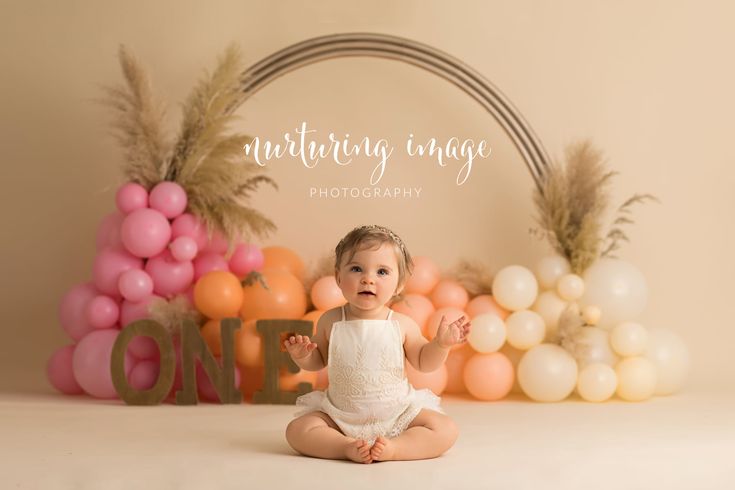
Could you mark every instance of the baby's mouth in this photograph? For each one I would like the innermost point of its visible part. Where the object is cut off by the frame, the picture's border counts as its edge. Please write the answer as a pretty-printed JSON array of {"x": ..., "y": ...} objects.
[{"x": 367, "y": 293}]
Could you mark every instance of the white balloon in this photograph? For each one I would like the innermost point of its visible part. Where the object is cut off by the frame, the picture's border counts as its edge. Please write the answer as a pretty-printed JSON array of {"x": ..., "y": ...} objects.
[
  {"x": 636, "y": 378},
  {"x": 550, "y": 269},
  {"x": 593, "y": 346},
  {"x": 550, "y": 307},
  {"x": 487, "y": 333},
  {"x": 671, "y": 357},
  {"x": 591, "y": 314},
  {"x": 570, "y": 287},
  {"x": 526, "y": 329},
  {"x": 618, "y": 288},
  {"x": 629, "y": 339},
  {"x": 515, "y": 288},
  {"x": 547, "y": 373},
  {"x": 597, "y": 382}
]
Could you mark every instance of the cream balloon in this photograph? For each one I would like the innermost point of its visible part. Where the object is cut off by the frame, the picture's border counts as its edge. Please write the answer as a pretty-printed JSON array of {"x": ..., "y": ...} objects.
[
  {"x": 671, "y": 357},
  {"x": 525, "y": 329},
  {"x": 597, "y": 382},
  {"x": 515, "y": 288},
  {"x": 618, "y": 288},
  {"x": 570, "y": 287},
  {"x": 629, "y": 339},
  {"x": 550, "y": 307},
  {"x": 547, "y": 373},
  {"x": 591, "y": 314},
  {"x": 636, "y": 378},
  {"x": 488, "y": 333},
  {"x": 550, "y": 269},
  {"x": 593, "y": 346}
]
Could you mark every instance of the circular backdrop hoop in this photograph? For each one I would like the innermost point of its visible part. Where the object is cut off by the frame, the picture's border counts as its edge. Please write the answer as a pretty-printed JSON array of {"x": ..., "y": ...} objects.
[{"x": 396, "y": 48}]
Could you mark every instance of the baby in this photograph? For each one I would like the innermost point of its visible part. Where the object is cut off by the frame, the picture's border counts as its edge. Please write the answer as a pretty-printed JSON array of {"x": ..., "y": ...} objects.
[{"x": 370, "y": 412}]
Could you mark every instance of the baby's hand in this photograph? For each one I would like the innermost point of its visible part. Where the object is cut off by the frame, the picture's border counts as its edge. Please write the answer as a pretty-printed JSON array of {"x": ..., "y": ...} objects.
[
  {"x": 449, "y": 334},
  {"x": 299, "y": 346}
]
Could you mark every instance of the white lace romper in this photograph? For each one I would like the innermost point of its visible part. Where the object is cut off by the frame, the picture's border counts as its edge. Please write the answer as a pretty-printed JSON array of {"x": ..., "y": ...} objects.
[{"x": 368, "y": 394}]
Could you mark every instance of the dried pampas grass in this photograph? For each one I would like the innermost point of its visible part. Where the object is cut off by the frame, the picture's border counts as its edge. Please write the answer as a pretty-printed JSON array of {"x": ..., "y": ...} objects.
[
  {"x": 473, "y": 276},
  {"x": 172, "y": 313}
]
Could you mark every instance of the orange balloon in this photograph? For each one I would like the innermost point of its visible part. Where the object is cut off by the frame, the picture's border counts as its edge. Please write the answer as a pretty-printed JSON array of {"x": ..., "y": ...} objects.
[
  {"x": 416, "y": 306},
  {"x": 285, "y": 297},
  {"x": 218, "y": 295},
  {"x": 248, "y": 345},
  {"x": 424, "y": 277},
  {"x": 455, "y": 368},
  {"x": 290, "y": 382},
  {"x": 432, "y": 324},
  {"x": 313, "y": 316},
  {"x": 211, "y": 334},
  {"x": 435, "y": 380},
  {"x": 284, "y": 259},
  {"x": 485, "y": 304},
  {"x": 449, "y": 293},
  {"x": 326, "y": 294},
  {"x": 251, "y": 380},
  {"x": 488, "y": 376}
]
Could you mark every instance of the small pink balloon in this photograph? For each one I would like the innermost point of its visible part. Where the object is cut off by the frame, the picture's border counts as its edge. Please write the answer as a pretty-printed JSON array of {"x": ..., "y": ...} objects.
[
  {"x": 217, "y": 243},
  {"x": 208, "y": 262},
  {"x": 102, "y": 312},
  {"x": 189, "y": 225},
  {"x": 91, "y": 363},
  {"x": 169, "y": 275},
  {"x": 184, "y": 248},
  {"x": 485, "y": 304},
  {"x": 245, "y": 259},
  {"x": 488, "y": 376},
  {"x": 108, "y": 232},
  {"x": 109, "y": 264},
  {"x": 135, "y": 284},
  {"x": 169, "y": 198},
  {"x": 60, "y": 373},
  {"x": 73, "y": 310},
  {"x": 204, "y": 385},
  {"x": 435, "y": 381},
  {"x": 325, "y": 294},
  {"x": 131, "y": 196},
  {"x": 138, "y": 310},
  {"x": 145, "y": 232},
  {"x": 144, "y": 375},
  {"x": 425, "y": 276},
  {"x": 417, "y": 306},
  {"x": 143, "y": 347},
  {"x": 449, "y": 293}
]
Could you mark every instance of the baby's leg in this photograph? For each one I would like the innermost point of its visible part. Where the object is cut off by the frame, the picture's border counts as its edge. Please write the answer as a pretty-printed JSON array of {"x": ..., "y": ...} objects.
[
  {"x": 316, "y": 434},
  {"x": 429, "y": 435}
]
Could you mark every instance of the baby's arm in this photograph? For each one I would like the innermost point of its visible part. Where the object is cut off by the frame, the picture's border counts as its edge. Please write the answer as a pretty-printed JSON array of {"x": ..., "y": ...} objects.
[
  {"x": 427, "y": 355},
  {"x": 305, "y": 353}
]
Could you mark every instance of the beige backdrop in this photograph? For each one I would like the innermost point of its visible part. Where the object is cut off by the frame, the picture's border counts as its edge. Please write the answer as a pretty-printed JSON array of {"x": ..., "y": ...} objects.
[{"x": 649, "y": 82}]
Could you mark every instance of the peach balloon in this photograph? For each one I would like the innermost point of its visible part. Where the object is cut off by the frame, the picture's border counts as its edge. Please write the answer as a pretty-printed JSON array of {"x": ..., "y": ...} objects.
[
  {"x": 449, "y": 293},
  {"x": 514, "y": 356},
  {"x": 290, "y": 381},
  {"x": 416, "y": 306},
  {"x": 485, "y": 303},
  {"x": 432, "y": 324},
  {"x": 251, "y": 380},
  {"x": 218, "y": 294},
  {"x": 248, "y": 345},
  {"x": 455, "y": 364},
  {"x": 285, "y": 297},
  {"x": 211, "y": 334},
  {"x": 435, "y": 380},
  {"x": 425, "y": 276},
  {"x": 313, "y": 316},
  {"x": 326, "y": 294},
  {"x": 284, "y": 259},
  {"x": 488, "y": 376}
]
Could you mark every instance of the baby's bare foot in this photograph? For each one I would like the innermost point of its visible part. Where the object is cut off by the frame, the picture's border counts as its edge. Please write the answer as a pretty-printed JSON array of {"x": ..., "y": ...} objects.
[
  {"x": 383, "y": 449},
  {"x": 358, "y": 451}
]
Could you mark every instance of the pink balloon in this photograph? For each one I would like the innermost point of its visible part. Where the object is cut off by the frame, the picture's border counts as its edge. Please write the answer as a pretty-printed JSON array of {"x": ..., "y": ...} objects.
[
  {"x": 145, "y": 232},
  {"x": 169, "y": 198},
  {"x": 144, "y": 375},
  {"x": 108, "y": 232},
  {"x": 169, "y": 275},
  {"x": 217, "y": 243},
  {"x": 435, "y": 380},
  {"x": 449, "y": 293},
  {"x": 91, "y": 363},
  {"x": 73, "y": 310},
  {"x": 189, "y": 225},
  {"x": 108, "y": 265},
  {"x": 135, "y": 284},
  {"x": 485, "y": 304},
  {"x": 184, "y": 248},
  {"x": 245, "y": 259},
  {"x": 131, "y": 196},
  {"x": 60, "y": 373},
  {"x": 208, "y": 262},
  {"x": 425, "y": 276},
  {"x": 131, "y": 311},
  {"x": 417, "y": 306},
  {"x": 206, "y": 388},
  {"x": 488, "y": 376},
  {"x": 143, "y": 347},
  {"x": 102, "y": 312},
  {"x": 325, "y": 294}
]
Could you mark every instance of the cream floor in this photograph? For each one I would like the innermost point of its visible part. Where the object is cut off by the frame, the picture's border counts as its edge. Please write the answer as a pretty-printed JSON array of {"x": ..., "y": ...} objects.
[{"x": 682, "y": 442}]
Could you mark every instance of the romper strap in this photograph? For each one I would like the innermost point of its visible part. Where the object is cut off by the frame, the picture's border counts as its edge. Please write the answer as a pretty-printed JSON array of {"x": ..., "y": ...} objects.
[
  {"x": 390, "y": 313},
  {"x": 343, "y": 312}
]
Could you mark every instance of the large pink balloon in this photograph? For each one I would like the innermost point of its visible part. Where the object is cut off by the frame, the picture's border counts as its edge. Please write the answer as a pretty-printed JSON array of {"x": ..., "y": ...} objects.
[
  {"x": 169, "y": 275},
  {"x": 326, "y": 294},
  {"x": 208, "y": 262},
  {"x": 91, "y": 363},
  {"x": 449, "y": 293},
  {"x": 425, "y": 276},
  {"x": 108, "y": 265},
  {"x": 73, "y": 310},
  {"x": 108, "y": 232},
  {"x": 488, "y": 376},
  {"x": 143, "y": 347},
  {"x": 103, "y": 312},
  {"x": 135, "y": 284},
  {"x": 183, "y": 248},
  {"x": 189, "y": 225},
  {"x": 169, "y": 198},
  {"x": 216, "y": 243},
  {"x": 135, "y": 310},
  {"x": 60, "y": 373},
  {"x": 131, "y": 196},
  {"x": 144, "y": 375},
  {"x": 245, "y": 259},
  {"x": 417, "y": 306},
  {"x": 145, "y": 232}
]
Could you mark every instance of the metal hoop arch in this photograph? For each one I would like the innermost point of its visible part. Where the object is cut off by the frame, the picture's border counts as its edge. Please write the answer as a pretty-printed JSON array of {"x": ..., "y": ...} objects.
[{"x": 412, "y": 52}]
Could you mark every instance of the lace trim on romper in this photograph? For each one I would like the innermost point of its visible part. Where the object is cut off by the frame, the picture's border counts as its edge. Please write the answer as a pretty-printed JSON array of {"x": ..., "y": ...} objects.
[{"x": 368, "y": 394}]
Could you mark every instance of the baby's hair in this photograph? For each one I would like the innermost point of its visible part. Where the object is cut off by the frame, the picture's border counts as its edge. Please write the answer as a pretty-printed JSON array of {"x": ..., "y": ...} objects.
[{"x": 374, "y": 234}]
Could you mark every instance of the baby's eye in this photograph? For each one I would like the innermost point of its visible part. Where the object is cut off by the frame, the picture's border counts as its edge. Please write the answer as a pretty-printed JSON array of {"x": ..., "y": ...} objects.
[
  {"x": 355, "y": 268},
  {"x": 383, "y": 272}
]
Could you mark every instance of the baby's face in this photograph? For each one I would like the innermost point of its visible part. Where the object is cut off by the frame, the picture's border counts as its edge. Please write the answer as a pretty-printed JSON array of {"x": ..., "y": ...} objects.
[{"x": 370, "y": 279}]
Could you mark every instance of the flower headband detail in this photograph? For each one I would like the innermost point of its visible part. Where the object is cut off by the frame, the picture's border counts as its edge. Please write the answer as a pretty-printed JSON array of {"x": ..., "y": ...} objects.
[{"x": 396, "y": 239}]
